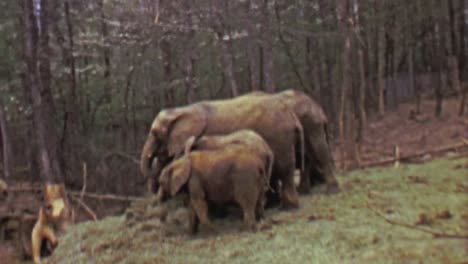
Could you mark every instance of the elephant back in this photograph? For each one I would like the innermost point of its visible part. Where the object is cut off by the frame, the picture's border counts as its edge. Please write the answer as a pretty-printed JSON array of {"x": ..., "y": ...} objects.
[
  {"x": 261, "y": 114},
  {"x": 306, "y": 108}
]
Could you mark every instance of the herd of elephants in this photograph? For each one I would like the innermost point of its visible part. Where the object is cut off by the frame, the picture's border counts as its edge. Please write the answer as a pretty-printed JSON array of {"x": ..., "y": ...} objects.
[{"x": 242, "y": 150}]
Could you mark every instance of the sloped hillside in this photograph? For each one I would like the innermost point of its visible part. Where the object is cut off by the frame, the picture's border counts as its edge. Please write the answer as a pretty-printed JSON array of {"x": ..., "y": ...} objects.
[{"x": 362, "y": 224}]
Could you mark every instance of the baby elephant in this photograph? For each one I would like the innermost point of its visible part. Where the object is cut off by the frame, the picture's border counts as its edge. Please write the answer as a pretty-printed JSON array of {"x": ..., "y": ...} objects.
[
  {"x": 220, "y": 176},
  {"x": 252, "y": 141}
]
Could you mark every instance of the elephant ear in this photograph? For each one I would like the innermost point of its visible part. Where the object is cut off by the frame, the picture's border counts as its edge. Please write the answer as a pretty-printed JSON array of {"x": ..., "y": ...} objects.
[
  {"x": 189, "y": 122},
  {"x": 189, "y": 144},
  {"x": 180, "y": 175}
]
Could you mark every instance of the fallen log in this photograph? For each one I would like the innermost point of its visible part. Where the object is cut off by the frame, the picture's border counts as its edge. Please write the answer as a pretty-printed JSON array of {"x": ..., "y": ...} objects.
[
  {"x": 407, "y": 157},
  {"x": 80, "y": 194},
  {"x": 107, "y": 196}
]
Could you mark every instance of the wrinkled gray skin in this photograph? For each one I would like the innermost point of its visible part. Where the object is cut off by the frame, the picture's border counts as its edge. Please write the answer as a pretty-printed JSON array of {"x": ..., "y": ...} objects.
[
  {"x": 272, "y": 120},
  {"x": 319, "y": 163},
  {"x": 220, "y": 176}
]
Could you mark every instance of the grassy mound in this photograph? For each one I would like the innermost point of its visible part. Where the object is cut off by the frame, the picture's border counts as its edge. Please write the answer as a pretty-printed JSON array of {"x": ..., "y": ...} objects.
[{"x": 342, "y": 228}]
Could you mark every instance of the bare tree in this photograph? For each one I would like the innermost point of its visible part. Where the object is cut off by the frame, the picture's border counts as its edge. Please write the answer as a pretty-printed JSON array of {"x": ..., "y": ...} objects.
[
  {"x": 381, "y": 56},
  {"x": 252, "y": 45},
  {"x": 224, "y": 40},
  {"x": 5, "y": 141},
  {"x": 39, "y": 75},
  {"x": 342, "y": 17},
  {"x": 267, "y": 48}
]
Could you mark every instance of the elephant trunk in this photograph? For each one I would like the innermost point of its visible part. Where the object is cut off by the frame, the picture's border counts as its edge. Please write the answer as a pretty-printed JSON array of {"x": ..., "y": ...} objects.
[
  {"x": 147, "y": 156},
  {"x": 160, "y": 195}
]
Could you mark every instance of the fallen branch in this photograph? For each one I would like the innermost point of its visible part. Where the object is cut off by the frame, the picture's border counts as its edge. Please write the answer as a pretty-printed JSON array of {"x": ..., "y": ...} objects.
[
  {"x": 107, "y": 196},
  {"x": 86, "y": 208},
  {"x": 80, "y": 199},
  {"x": 459, "y": 155},
  {"x": 435, "y": 234},
  {"x": 414, "y": 155},
  {"x": 81, "y": 194}
]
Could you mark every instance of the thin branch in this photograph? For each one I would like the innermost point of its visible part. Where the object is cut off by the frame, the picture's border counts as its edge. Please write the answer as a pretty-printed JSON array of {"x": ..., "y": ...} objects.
[
  {"x": 85, "y": 207},
  {"x": 435, "y": 234},
  {"x": 85, "y": 174},
  {"x": 107, "y": 196}
]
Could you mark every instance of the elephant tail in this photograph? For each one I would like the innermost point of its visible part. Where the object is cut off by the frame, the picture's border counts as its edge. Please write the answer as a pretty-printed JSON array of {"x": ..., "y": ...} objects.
[
  {"x": 300, "y": 131},
  {"x": 270, "y": 161},
  {"x": 327, "y": 137}
]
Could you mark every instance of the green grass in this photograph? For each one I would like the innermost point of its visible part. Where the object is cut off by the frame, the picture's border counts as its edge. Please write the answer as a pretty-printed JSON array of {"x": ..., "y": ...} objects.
[{"x": 340, "y": 228}]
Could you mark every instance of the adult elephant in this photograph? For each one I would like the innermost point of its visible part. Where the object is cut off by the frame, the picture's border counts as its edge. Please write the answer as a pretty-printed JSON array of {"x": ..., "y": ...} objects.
[
  {"x": 272, "y": 120},
  {"x": 319, "y": 163}
]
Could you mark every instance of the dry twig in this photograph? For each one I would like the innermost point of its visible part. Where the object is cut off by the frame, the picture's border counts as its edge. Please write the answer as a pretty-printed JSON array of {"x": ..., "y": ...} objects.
[
  {"x": 80, "y": 199},
  {"x": 87, "y": 209}
]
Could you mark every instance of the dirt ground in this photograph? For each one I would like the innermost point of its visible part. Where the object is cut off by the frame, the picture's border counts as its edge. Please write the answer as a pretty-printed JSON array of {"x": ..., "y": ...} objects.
[
  {"x": 354, "y": 226},
  {"x": 424, "y": 132}
]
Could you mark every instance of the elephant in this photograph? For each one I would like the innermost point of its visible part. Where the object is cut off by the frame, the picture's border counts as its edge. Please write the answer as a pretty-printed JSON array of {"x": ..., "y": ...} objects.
[
  {"x": 245, "y": 137},
  {"x": 219, "y": 176},
  {"x": 272, "y": 120},
  {"x": 319, "y": 163}
]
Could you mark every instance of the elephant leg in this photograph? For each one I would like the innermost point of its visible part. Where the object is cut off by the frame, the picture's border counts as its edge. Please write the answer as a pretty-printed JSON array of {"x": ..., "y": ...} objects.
[
  {"x": 200, "y": 207},
  {"x": 289, "y": 195},
  {"x": 150, "y": 186},
  {"x": 304, "y": 184},
  {"x": 249, "y": 219},
  {"x": 248, "y": 207},
  {"x": 318, "y": 146},
  {"x": 260, "y": 207},
  {"x": 193, "y": 221},
  {"x": 273, "y": 196}
]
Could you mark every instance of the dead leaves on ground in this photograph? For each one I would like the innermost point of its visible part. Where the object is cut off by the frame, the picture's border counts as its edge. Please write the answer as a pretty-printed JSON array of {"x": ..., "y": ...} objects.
[
  {"x": 329, "y": 217},
  {"x": 417, "y": 179},
  {"x": 426, "y": 219}
]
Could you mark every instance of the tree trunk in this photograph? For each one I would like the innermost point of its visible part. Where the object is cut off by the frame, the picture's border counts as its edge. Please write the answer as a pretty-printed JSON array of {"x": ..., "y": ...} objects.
[
  {"x": 438, "y": 93},
  {"x": 287, "y": 49},
  {"x": 73, "y": 109},
  {"x": 313, "y": 69},
  {"x": 267, "y": 47},
  {"x": 226, "y": 54},
  {"x": 361, "y": 105},
  {"x": 106, "y": 53},
  {"x": 189, "y": 71},
  {"x": 462, "y": 56},
  {"x": 381, "y": 57},
  {"x": 5, "y": 141},
  {"x": 251, "y": 47},
  {"x": 227, "y": 65},
  {"x": 39, "y": 84},
  {"x": 166, "y": 51},
  {"x": 463, "y": 100},
  {"x": 342, "y": 14},
  {"x": 189, "y": 79}
]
